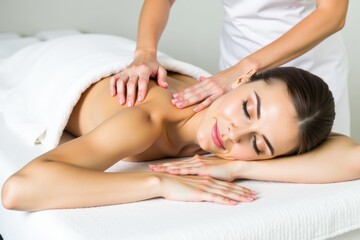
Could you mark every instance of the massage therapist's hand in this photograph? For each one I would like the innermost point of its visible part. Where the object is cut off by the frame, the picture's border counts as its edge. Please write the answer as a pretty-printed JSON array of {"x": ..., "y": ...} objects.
[
  {"x": 207, "y": 90},
  {"x": 215, "y": 167},
  {"x": 203, "y": 188},
  {"x": 131, "y": 83}
]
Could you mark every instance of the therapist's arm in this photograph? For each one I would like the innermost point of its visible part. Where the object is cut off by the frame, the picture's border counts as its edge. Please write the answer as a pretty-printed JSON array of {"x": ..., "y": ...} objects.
[
  {"x": 328, "y": 18},
  {"x": 133, "y": 80}
]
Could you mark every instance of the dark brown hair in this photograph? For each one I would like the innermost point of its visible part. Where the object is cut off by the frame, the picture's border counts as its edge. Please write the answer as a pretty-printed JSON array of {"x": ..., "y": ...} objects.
[{"x": 312, "y": 100}]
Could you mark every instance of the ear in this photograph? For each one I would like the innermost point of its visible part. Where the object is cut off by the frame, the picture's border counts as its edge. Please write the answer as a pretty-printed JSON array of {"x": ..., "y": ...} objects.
[{"x": 243, "y": 78}]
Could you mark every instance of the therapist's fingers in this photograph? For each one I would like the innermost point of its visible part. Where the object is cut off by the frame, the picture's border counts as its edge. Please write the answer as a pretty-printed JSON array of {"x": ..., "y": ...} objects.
[
  {"x": 120, "y": 87},
  {"x": 142, "y": 86},
  {"x": 205, "y": 92},
  {"x": 112, "y": 85},
  {"x": 204, "y": 104},
  {"x": 194, "y": 95},
  {"x": 161, "y": 77},
  {"x": 131, "y": 90}
]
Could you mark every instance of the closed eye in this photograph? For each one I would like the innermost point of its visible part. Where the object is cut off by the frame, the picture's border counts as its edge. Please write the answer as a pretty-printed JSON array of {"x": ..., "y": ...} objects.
[
  {"x": 256, "y": 149},
  {"x": 244, "y": 106}
]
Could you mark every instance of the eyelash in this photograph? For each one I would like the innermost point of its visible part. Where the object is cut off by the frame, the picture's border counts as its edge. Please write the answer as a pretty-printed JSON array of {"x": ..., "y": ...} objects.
[
  {"x": 244, "y": 106},
  {"x": 255, "y": 146}
]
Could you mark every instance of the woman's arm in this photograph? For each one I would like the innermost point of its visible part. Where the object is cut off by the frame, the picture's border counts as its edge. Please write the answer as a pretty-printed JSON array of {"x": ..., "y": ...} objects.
[
  {"x": 337, "y": 159},
  {"x": 328, "y": 18},
  {"x": 153, "y": 19},
  {"x": 71, "y": 175}
]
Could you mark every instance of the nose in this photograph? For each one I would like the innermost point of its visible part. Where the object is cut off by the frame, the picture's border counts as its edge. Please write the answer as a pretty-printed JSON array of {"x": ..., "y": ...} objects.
[{"x": 236, "y": 133}]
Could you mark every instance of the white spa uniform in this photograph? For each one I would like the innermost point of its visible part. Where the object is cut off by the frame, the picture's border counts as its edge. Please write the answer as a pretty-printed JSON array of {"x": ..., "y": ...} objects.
[{"x": 253, "y": 24}]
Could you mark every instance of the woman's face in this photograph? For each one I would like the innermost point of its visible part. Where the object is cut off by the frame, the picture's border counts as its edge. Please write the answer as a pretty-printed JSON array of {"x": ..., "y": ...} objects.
[{"x": 254, "y": 121}]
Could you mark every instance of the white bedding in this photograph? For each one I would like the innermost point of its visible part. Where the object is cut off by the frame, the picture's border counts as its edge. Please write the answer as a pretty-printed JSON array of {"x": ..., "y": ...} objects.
[{"x": 283, "y": 210}]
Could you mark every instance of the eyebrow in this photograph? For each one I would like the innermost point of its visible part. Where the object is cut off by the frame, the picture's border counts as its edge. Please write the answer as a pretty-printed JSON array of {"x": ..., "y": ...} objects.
[
  {"x": 269, "y": 145},
  {"x": 258, "y": 107},
  {"x": 258, "y": 104}
]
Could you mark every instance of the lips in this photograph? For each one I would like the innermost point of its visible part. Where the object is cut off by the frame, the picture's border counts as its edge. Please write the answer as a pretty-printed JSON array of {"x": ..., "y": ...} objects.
[{"x": 215, "y": 134}]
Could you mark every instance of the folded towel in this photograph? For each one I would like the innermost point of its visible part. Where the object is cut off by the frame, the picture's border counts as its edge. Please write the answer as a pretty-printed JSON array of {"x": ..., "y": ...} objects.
[
  {"x": 9, "y": 46},
  {"x": 41, "y": 83}
]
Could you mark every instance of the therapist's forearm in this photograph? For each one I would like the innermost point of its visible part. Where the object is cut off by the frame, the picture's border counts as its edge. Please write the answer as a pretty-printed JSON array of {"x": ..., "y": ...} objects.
[
  {"x": 328, "y": 18},
  {"x": 336, "y": 160},
  {"x": 153, "y": 19}
]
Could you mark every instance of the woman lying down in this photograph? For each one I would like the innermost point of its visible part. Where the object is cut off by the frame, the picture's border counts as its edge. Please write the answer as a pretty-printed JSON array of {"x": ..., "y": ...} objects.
[{"x": 283, "y": 115}]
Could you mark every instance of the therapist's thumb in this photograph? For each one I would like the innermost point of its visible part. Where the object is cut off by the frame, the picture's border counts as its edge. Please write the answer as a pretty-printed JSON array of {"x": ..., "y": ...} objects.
[{"x": 161, "y": 77}]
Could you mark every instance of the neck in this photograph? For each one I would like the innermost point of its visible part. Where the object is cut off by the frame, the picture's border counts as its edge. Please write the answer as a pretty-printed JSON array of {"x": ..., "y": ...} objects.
[{"x": 185, "y": 133}]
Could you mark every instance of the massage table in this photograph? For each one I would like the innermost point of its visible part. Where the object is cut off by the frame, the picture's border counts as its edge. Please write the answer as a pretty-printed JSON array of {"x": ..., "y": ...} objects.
[{"x": 282, "y": 211}]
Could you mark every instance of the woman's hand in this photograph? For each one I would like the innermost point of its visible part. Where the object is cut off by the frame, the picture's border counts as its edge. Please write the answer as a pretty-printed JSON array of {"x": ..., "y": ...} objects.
[
  {"x": 207, "y": 90},
  {"x": 131, "y": 83},
  {"x": 215, "y": 167},
  {"x": 203, "y": 188}
]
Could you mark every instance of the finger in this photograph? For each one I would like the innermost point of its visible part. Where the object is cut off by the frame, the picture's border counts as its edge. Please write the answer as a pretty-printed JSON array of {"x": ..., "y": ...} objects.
[
  {"x": 120, "y": 87},
  {"x": 112, "y": 85},
  {"x": 162, "y": 77},
  {"x": 233, "y": 187},
  {"x": 195, "y": 88},
  {"x": 230, "y": 194},
  {"x": 196, "y": 170},
  {"x": 202, "y": 78},
  {"x": 142, "y": 87},
  {"x": 190, "y": 98},
  {"x": 131, "y": 89},
  {"x": 216, "y": 198},
  {"x": 182, "y": 168},
  {"x": 231, "y": 190},
  {"x": 207, "y": 102}
]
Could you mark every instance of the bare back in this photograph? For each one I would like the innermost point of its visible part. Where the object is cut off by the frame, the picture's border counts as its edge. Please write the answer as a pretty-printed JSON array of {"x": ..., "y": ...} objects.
[{"x": 97, "y": 106}]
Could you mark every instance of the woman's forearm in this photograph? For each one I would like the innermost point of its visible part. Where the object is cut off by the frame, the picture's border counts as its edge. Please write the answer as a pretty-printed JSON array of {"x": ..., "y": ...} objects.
[
  {"x": 328, "y": 18},
  {"x": 153, "y": 19},
  {"x": 338, "y": 159},
  {"x": 49, "y": 185}
]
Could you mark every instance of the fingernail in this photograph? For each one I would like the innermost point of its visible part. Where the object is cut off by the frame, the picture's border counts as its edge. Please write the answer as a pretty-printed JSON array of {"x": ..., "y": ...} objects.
[
  {"x": 253, "y": 192},
  {"x": 121, "y": 100},
  {"x": 174, "y": 100},
  {"x": 196, "y": 109},
  {"x": 250, "y": 198},
  {"x": 179, "y": 104},
  {"x": 140, "y": 98},
  {"x": 129, "y": 104},
  {"x": 166, "y": 84},
  {"x": 175, "y": 95},
  {"x": 233, "y": 202}
]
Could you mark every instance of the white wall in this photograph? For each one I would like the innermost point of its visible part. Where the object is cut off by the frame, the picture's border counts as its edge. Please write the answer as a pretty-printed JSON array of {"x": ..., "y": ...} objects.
[
  {"x": 192, "y": 34},
  {"x": 351, "y": 35}
]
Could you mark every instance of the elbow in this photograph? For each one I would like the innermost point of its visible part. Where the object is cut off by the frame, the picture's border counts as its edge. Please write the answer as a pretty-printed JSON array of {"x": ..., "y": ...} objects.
[
  {"x": 340, "y": 25},
  {"x": 10, "y": 194}
]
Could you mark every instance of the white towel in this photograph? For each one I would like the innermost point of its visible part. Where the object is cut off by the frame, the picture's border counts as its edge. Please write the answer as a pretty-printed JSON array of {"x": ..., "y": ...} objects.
[{"x": 41, "y": 83}]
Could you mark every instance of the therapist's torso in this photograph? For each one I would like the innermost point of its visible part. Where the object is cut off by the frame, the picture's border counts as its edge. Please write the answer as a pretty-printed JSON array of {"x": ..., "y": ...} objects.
[{"x": 252, "y": 24}]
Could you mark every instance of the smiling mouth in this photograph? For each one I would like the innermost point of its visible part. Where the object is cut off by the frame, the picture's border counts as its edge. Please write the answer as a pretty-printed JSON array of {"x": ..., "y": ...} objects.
[{"x": 215, "y": 134}]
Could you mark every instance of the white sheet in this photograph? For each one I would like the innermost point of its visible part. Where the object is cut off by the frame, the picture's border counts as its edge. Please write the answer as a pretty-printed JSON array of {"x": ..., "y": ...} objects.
[{"x": 283, "y": 210}]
